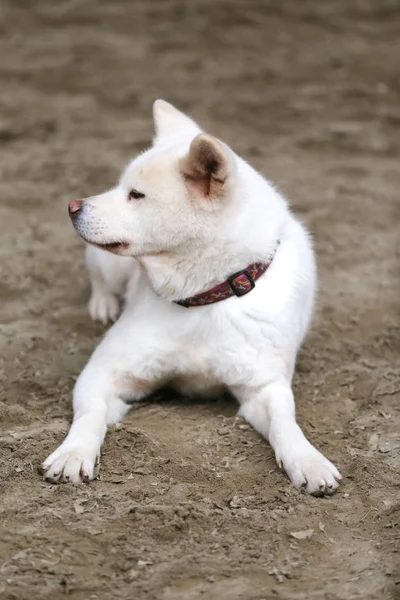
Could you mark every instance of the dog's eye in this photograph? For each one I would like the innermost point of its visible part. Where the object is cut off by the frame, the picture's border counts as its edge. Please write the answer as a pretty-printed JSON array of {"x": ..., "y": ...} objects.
[{"x": 135, "y": 195}]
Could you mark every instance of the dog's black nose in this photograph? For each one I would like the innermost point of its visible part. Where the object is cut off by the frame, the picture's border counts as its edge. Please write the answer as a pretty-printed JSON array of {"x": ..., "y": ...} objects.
[{"x": 74, "y": 207}]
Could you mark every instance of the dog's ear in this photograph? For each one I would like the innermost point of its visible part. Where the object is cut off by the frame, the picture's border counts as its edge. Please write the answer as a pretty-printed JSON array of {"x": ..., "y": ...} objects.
[
  {"x": 168, "y": 121},
  {"x": 207, "y": 166}
]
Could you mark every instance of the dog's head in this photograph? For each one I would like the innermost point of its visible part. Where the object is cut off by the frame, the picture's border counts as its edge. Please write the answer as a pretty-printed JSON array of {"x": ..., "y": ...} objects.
[{"x": 171, "y": 194}]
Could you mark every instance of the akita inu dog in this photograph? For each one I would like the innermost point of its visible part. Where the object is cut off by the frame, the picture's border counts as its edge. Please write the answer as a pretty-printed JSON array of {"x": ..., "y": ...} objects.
[{"x": 219, "y": 293}]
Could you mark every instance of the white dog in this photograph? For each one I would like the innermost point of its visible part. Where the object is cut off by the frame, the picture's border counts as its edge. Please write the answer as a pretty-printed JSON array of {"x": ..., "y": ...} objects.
[{"x": 220, "y": 297}]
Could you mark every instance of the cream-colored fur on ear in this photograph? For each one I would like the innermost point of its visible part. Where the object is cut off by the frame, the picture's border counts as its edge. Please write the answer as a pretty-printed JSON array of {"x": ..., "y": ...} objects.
[
  {"x": 169, "y": 121},
  {"x": 206, "y": 165}
]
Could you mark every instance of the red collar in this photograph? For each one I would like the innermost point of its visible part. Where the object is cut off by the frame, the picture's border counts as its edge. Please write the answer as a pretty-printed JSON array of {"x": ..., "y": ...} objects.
[{"x": 238, "y": 284}]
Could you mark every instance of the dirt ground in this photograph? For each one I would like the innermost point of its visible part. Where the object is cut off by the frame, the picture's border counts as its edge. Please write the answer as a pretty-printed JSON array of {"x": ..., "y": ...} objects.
[{"x": 190, "y": 503}]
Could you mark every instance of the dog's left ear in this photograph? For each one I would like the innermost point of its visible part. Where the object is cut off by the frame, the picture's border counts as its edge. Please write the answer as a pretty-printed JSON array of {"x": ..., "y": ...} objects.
[
  {"x": 169, "y": 121},
  {"x": 208, "y": 166}
]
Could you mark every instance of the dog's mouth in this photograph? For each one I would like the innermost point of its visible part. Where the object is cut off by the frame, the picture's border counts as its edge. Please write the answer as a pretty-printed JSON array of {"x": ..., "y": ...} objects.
[
  {"x": 114, "y": 247},
  {"x": 119, "y": 247}
]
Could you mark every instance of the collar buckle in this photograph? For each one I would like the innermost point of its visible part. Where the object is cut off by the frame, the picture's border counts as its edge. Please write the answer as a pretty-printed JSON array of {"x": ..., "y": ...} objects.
[{"x": 241, "y": 283}]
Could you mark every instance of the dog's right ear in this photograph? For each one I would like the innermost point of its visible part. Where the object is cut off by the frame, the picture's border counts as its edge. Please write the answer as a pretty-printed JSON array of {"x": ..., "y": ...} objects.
[
  {"x": 168, "y": 121},
  {"x": 208, "y": 167}
]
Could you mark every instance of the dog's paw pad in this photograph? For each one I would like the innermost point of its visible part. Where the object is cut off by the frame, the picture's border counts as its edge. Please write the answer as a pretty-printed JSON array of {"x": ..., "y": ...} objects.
[
  {"x": 310, "y": 470},
  {"x": 70, "y": 466},
  {"x": 103, "y": 307}
]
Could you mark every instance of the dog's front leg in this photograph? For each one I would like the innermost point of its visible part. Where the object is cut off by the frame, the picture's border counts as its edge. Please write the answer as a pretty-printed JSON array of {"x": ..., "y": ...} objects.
[
  {"x": 115, "y": 372},
  {"x": 271, "y": 411},
  {"x": 104, "y": 303},
  {"x": 95, "y": 404}
]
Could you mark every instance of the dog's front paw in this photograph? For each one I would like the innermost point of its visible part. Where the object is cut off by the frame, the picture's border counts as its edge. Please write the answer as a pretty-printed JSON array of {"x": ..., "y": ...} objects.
[
  {"x": 103, "y": 306},
  {"x": 74, "y": 465},
  {"x": 308, "y": 468}
]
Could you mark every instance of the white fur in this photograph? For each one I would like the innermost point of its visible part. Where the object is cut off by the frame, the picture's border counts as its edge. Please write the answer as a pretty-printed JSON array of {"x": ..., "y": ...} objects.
[{"x": 181, "y": 242}]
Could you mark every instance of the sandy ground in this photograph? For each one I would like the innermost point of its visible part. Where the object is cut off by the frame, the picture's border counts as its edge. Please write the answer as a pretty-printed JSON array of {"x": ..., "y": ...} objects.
[{"x": 190, "y": 504}]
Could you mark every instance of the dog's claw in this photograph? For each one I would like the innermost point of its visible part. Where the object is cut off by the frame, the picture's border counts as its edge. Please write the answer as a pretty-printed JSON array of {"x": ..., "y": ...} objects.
[
  {"x": 311, "y": 471},
  {"x": 103, "y": 306},
  {"x": 76, "y": 465}
]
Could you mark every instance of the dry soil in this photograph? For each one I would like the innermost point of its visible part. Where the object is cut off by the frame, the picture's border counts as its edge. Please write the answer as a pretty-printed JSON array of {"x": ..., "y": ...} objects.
[{"x": 190, "y": 503}]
